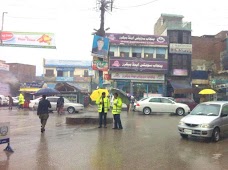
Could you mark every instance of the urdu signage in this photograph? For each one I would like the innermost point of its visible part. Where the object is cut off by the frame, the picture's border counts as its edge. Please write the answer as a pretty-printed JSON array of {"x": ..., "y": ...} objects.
[
  {"x": 138, "y": 76},
  {"x": 180, "y": 48},
  {"x": 135, "y": 64},
  {"x": 136, "y": 39}
]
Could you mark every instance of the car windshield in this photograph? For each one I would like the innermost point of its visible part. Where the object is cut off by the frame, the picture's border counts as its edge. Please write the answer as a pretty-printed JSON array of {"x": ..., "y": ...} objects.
[
  {"x": 66, "y": 100},
  {"x": 206, "y": 110}
]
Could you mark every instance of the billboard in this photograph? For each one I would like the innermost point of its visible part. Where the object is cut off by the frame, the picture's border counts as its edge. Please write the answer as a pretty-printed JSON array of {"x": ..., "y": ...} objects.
[
  {"x": 136, "y": 39},
  {"x": 28, "y": 39},
  {"x": 100, "y": 47},
  {"x": 137, "y": 64}
]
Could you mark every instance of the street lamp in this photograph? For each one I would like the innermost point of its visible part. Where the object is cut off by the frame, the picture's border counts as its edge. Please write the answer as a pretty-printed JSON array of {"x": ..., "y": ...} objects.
[{"x": 3, "y": 14}]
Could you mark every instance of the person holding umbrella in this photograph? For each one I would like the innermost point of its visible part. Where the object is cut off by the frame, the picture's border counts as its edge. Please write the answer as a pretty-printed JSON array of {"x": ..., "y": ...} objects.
[
  {"x": 116, "y": 110},
  {"x": 42, "y": 111},
  {"x": 103, "y": 103}
]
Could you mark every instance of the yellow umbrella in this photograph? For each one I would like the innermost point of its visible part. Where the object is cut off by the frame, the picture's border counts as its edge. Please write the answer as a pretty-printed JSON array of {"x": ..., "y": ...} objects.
[
  {"x": 207, "y": 91},
  {"x": 97, "y": 93}
]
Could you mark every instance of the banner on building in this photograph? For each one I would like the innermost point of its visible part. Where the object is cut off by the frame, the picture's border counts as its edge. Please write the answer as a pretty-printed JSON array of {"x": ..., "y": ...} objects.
[
  {"x": 180, "y": 72},
  {"x": 28, "y": 39},
  {"x": 138, "y": 76},
  {"x": 100, "y": 47},
  {"x": 99, "y": 65},
  {"x": 180, "y": 48},
  {"x": 136, "y": 39},
  {"x": 137, "y": 64}
]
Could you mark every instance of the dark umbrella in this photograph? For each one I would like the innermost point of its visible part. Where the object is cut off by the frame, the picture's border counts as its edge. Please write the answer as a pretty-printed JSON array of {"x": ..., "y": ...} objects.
[
  {"x": 123, "y": 95},
  {"x": 47, "y": 92}
]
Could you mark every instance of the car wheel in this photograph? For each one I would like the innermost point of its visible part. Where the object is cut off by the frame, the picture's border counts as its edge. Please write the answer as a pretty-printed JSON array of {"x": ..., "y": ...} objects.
[
  {"x": 184, "y": 136},
  {"x": 70, "y": 110},
  {"x": 180, "y": 111},
  {"x": 146, "y": 110},
  {"x": 216, "y": 135}
]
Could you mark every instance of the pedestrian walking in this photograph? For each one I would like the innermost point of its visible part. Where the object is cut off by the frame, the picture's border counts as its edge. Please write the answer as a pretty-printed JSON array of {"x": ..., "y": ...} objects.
[
  {"x": 21, "y": 101},
  {"x": 103, "y": 104},
  {"x": 116, "y": 110},
  {"x": 42, "y": 111},
  {"x": 60, "y": 105},
  {"x": 10, "y": 102}
]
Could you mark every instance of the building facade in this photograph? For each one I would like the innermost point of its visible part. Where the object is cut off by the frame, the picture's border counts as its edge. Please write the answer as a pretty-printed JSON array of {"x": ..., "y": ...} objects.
[
  {"x": 138, "y": 63},
  {"x": 72, "y": 71},
  {"x": 210, "y": 58},
  {"x": 179, "y": 53},
  {"x": 23, "y": 72}
]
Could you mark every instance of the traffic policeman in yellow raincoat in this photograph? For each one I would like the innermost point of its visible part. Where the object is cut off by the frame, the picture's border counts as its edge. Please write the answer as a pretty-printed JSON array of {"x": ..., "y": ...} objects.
[
  {"x": 103, "y": 104},
  {"x": 116, "y": 110}
]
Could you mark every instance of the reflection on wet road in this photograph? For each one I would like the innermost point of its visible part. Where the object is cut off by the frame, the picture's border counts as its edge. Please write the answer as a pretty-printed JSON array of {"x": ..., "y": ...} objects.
[{"x": 146, "y": 142}]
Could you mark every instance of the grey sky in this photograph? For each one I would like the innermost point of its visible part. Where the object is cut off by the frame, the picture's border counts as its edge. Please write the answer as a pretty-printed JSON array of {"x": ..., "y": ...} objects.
[{"x": 73, "y": 21}]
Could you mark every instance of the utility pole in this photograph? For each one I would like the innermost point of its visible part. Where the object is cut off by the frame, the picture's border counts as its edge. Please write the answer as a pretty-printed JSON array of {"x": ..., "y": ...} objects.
[
  {"x": 2, "y": 26},
  {"x": 104, "y": 5}
]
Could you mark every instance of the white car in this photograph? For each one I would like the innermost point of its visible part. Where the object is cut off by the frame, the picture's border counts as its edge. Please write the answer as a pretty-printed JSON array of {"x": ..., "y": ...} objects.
[
  {"x": 161, "y": 105},
  {"x": 3, "y": 100},
  {"x": 68, "y": 106},
  {"x": 207, "y": 120},
  {"x": 32, "y": 102}
]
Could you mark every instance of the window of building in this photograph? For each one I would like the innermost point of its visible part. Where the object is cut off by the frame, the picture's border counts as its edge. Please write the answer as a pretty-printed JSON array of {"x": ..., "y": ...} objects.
[
  {"x": 137, "y": 52},
  {"x": 160, "y": 53},
  {"x": 148, "y": 52},
  {"x": 124, "y": 51},
  {"x": 112, "y": 50},
  {"x": 49, "y": 73},
  {"x": 71, "y": 73},
  {"x": 111, "y": 53},
  {"x": 173, "y": 36},
  {"x": 59, "y": 73},
  {"x": 186, "y": 38},
  {"x": 180, "y": 61}
]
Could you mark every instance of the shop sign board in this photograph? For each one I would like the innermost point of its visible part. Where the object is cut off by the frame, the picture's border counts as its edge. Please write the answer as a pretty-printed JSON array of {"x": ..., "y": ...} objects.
[
  {"x": 136, "y": 39},
  {"x": 138, "y": 76},
  {"x": 137, "y": 64},
  {"x": 180, "y": 48}
]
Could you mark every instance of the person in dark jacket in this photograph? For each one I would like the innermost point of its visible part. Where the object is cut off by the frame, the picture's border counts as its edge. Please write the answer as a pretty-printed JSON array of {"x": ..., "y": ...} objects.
[
  {"x": 42, "y": 111},
  {"x": 60, "y": 105}
]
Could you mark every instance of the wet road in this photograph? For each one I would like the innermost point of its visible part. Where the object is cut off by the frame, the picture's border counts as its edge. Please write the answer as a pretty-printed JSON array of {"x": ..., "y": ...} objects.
[{"x": 146, "y": 142}]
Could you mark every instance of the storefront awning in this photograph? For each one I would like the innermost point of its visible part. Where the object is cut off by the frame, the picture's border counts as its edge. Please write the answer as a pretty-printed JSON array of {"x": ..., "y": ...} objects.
[
  {"x": 29, "y": 89},
  {"x": 181, "y": 86}
]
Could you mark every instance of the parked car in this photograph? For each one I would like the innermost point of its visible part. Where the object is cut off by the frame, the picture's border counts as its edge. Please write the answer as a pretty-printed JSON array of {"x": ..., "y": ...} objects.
[
  {"x": 134, "y": 107},
  {"x": 32, "y": 102},
  {"x": 161, "y": 105},
  {"x": 15, "y": 101},
  {"x": 208, "y": 119},
  {"x": 68, "y": 106},
  {"x": 3, "y": 100},
  {"x": 190, "y": 102}
]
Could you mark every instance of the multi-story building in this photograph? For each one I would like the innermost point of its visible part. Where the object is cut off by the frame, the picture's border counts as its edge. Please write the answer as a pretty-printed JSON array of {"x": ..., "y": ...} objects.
[
  {"x": 138, "y": 63},
  {"x": 179, "y": 55},
  {"x": 73, "y": 78},
  {"x": 72, "y": 71},
  {"x": 23, "y": 72},
  {"x": 209, "y": 62}
]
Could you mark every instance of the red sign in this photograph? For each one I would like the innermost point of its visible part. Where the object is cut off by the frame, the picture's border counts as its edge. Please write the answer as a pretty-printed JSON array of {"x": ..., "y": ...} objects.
[
  {"x": 6, "y": 36},
  {"x": 107, "y": 77}
]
